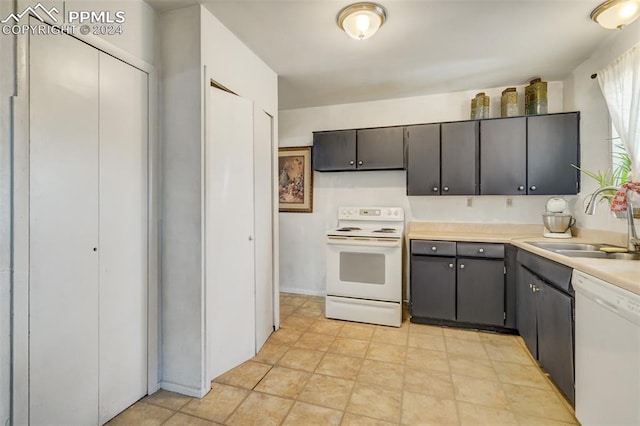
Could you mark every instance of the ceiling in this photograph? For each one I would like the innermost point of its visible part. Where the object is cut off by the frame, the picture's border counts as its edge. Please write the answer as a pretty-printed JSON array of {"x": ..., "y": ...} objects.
[{"x": 425, "y": 47}]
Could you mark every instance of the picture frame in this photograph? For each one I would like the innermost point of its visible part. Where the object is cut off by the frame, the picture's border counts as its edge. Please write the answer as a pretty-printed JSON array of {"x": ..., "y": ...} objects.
[{"x": 295, "y": 179}]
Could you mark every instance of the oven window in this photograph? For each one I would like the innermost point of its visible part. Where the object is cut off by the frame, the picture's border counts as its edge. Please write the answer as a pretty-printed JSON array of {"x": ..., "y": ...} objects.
[{"x": 367, "y": 268}]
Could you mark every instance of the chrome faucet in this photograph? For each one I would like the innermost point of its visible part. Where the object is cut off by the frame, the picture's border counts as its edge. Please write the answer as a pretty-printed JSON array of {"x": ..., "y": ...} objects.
[{"x": 633, "y": 242}]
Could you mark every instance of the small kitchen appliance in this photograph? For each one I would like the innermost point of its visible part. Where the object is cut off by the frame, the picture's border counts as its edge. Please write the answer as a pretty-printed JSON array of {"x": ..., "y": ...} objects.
[
  {"x": 557, "y": 220},
  {"x": 364, "y": 265}
]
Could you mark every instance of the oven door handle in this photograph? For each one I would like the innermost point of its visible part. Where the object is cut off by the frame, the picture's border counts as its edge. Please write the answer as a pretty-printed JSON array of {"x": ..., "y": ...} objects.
[{"x": 368, "y": 242}]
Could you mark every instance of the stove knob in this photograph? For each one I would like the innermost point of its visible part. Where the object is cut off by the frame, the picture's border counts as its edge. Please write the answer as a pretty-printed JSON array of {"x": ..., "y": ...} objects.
[
  {"x": 388, "y": 212},
  {"x": 396, "y": 212}
]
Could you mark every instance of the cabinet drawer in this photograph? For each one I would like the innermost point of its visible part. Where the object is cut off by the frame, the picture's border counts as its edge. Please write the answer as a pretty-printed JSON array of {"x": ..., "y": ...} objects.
[
  {"x": 433, "y": 248},
  {"x": 495, "y": 251}
]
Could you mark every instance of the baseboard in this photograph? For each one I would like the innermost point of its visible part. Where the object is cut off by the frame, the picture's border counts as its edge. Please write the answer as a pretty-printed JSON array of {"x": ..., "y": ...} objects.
[
  {"x": 185, "y": 390},
  {"x": 304, "y": 291}
]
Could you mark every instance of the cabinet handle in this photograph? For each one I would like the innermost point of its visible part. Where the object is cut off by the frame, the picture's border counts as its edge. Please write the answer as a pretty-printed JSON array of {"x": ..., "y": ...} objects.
[
  {"x": 462, "y": 266},
  {"x": 521, "y": 188},
  {"x": 451, "y": 266},
  {"x": 434, "y": 248},
  {"x": 435, "y": 189},
  {"x": 533, "y": 188},
  {"x": 445, "y": 189},
  {"x": 530, "y": 286},
  {"x": 359, "y": 163},
  {"x": 351, "y": 163},
  {"x": 480, "y": 250}
]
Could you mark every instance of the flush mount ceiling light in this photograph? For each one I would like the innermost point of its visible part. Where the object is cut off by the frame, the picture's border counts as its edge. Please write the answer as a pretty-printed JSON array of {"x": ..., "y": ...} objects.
[
  {"x": 361, "y": 20},
  {"x": 615, "y": 14}
]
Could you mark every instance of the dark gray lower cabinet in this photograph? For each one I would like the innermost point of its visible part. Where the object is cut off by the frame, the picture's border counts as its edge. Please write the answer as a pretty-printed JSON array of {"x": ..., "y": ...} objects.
[
  {"x": 526, "y": 308},
  {"x": 481, "y": 292},
  {"x": 433, "y": 287}
]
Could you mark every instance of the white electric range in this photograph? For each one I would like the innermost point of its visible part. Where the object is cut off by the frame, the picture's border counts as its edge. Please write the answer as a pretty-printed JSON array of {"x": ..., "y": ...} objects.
[{"x": 364, "y": 265}]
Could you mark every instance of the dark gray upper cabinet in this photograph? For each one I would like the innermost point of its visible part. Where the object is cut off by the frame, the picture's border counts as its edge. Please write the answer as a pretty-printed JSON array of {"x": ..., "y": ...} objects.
[
  {"x": 503, "y": 156},
  {"x": 333, "y": 151},
  {"x": 552, "y": 146},
  {"x": 459, "y": 158},
  {"x": 365, "y": 149},
  {"x": 380, "y": 149},
  {"x": 480, "y": 295},
  {"x": 423, "y": 159}
]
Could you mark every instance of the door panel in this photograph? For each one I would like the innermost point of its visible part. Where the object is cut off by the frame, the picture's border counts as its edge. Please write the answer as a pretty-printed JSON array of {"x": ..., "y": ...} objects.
[
  {"x": 334, "y": 151},
  {"x": 433, "y": 287},
  {"x": 526, "y": 308},
  {"x": 63, "y": 197},
  {"x": 263, "y": 181},
  {"x": 123, "y": 236},
  {"x": 379, "y": 149},
  {"x": 503, "y": 156},
  {"x": 423, "y": 159},
  {"x": 459, "y": 149},
  {"x": 480, "y": 293},
  {"x": 229, "y": 227}
]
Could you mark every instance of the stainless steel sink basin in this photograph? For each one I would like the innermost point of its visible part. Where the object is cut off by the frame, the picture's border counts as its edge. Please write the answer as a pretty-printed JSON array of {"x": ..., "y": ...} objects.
[{"x": 584, "y": 250}]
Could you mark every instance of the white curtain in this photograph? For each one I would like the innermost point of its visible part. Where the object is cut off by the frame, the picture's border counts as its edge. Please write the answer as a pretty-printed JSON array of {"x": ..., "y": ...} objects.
[{"x": 620, "y": 85}]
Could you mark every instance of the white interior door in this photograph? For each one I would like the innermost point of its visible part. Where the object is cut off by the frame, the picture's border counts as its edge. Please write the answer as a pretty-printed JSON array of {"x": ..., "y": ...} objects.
[
  {"x": 263, "y": 196},
  {"x": 229, "y": 233},
  {"x": 63, "y": 197},
  {"x": 123, "y": 236}
]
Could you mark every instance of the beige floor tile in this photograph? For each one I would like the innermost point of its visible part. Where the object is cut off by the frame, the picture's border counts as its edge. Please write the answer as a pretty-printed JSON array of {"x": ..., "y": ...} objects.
[
  {"x": 284, "y": 382},
  {"x": 508, "y": 352},
  {"x": 171, "y": 400},
  {"x": 348, "y": 346},
  {"x": 286, "y": 310},
  {"x": 419, "y": 409},
  {"x": 387, "y": 353},
  {"x": 285, "y": 336},
  {"x": 497, "y": 338},
  {"x": 424, "y": 359},
  {"x": 345, "y": 367},
  {"x": 246, "y": 375},
  {"x": 465, "y": 347},
  {"x": 537, "y": 403},
  {"x": 218, "y": 404},
  {"x": 477, "y": 391},
  {"x": 317, "y": 342},
  {"x": 312, "y": 415},
  {"x": 357, "y": 331},
  {"x": 517, "y": 374},
  {"x": 427, "y": 341},
  {"x": 325, "y": 326},
  {"x": 301, "y": 359},
  {"x": 375, "y": 401},
  {"x": 327, "y": 391},
  {"x": 391, "y": 336},
  {"x": 260, "y": 409},
  {"x": 461, "y": 334},
  {"x": 180, "y": 419},
  {"x": 433, "y": 330},
  {"x": 142, "y": 413},
  {"x": 298, "y": 322},
  {"x": 270, "y": 353},
  {"x": 382, "y": 374},
  {"x": 524, "y": 420},
  {"x": 472, "y": 367},
  {"x": 313, "y": 311},
  {"x": 428, "y": 382},
  {"x": 294, "y": 300},
  {"x": 479, "y": 415},
  {"x": 351, "y": 419}
]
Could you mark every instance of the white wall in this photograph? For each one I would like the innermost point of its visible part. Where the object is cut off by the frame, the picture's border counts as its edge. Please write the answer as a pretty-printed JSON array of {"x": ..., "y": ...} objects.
[
  {"x": 583, "y": 93},
  {"x": 302, "y": 256}
]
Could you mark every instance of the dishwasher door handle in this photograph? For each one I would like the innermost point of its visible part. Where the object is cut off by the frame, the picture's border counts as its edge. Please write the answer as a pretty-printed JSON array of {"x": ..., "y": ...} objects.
[{"x": 606, "y": 304}]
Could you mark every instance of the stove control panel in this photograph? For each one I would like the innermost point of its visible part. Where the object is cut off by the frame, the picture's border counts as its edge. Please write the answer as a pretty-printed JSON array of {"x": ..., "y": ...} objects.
[{"x": 371, "y": 213}]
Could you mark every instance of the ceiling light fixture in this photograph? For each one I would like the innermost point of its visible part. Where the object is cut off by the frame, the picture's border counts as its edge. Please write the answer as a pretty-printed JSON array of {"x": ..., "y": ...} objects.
[
  {"x": 615, "y": 14},
  {"x": 361, "y": 20}
]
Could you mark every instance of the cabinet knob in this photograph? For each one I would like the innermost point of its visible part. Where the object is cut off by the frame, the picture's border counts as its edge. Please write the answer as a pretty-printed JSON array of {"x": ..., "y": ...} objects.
[
  {"x": 351, "y": 163},
  {"x": 533, "y": 188},
  {"x": 530, "y": 286},
  {"x": 445, "y": 189},
  {"x": 435, "y": 189},
  {"x": 521, "y": 188},
  {"x": 434, "y": 248},
  {"x": 359, "y": 163},
  {"x": 451, "y": 266},
  {"x": 480, "y": 250},
  {"x": 462, "y": 266}
]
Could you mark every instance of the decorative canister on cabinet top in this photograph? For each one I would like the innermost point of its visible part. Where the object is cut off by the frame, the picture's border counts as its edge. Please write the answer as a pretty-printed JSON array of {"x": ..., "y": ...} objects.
[
  {"x": 509, "y": 102},
  {"x": 474, "y": 108},
  {"x": 482, "y": 105},
  {"x": 535, "y": 97}
]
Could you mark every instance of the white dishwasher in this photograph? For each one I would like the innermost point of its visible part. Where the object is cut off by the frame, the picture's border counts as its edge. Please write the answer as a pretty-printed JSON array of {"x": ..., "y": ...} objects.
[{"x": 607, "y": 353}]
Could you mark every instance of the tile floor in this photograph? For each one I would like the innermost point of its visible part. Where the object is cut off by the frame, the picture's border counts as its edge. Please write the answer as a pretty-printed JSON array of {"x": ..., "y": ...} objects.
[{"x": 315, "y": 371}]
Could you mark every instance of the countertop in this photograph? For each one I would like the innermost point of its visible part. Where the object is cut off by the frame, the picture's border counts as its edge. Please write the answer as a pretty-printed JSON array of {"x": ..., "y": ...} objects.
[{"x": 621, "y": 273}]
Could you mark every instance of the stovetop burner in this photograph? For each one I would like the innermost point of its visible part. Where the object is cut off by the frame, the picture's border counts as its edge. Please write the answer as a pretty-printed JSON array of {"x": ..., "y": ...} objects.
[
  {"x": 349, "y": 229},
  {"x": 386, "y": 230}
]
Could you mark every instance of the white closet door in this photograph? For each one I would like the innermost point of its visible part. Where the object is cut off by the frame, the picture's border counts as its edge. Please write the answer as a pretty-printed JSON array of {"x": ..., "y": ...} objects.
[
  {"x": 229, "y": 235},
  {"x": 123, "y": 236},
  {"x": 63, "y": 300},
  {"x": 263, "y": 196}
]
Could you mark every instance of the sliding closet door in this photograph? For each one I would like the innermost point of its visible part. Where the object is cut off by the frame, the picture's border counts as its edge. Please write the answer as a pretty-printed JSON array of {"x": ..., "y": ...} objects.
[
  {"x": 123, "y": 235},
  {"x": 229, "y": 208},
  {"x": 63, "y": 301}
]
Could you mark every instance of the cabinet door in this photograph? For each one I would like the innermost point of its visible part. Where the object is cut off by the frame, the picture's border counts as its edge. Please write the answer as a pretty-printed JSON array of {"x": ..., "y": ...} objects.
[
  {"x": 480, "y": 296},
  {"x": 423, "y": 159},
  {"x": 459, "y": 158},
  {"x": 379, "y": 149},
  {"x": 555, "y": 336},
  {"x": 433, "y": 287},
  {"x": 552, "y": 146},
  {"x": 503, "y": 156},
  {"x": 334, "y": 151},
  {"x": 526, "y": 308}
]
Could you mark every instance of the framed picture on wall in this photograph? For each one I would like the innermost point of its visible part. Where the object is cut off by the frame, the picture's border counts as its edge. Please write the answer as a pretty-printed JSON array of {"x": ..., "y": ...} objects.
[{"x": 295, "y": 179}]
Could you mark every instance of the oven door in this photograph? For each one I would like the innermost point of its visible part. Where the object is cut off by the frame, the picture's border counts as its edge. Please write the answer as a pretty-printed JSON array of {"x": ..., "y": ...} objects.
[{"x": 364, "y": 268}]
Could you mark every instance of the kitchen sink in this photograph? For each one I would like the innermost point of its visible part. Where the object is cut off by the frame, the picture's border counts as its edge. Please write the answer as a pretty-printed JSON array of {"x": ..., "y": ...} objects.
[
  {"x": 569, "y": 246},
  {"x": 585, "y": 250}
]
